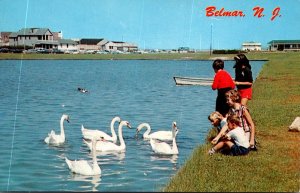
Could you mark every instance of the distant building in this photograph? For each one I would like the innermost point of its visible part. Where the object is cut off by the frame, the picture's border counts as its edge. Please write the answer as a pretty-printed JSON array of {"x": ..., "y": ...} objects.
[
  {"x": 183, "y": 49},
  {"x": 91, "y": 44},
  {"x": 4, "y": 38},
  {"x": 251, "y": 46},
  {"x": 41, "y": 38},
  {"x": 66, "y": 45},
  {"x": 119, "y": 46},
  {"x": 45, "y": 38},
  {"x": 284, "y": 45}
]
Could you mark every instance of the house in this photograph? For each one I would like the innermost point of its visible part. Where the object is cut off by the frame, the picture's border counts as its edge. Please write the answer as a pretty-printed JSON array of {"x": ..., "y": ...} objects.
[
  {"x": 251, "y": 46},
  {"x": 34, "y": 37},
  {"x": 41, "y": 38},
  {"x": 46, "y": 39},
  {"x": 284, "y": 45},
  {"x": 67, "y": 45},
  {"x": 103, "y": 44},
  {"x": 4, "y": 38},
  {"x": 90, "y": 44},
  {"x": 113, "y": 46}
]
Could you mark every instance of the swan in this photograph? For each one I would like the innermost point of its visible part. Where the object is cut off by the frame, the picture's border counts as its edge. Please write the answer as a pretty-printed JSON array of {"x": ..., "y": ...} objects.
[
  {"x": 160, "y": 135},
  {"x": 105, "y": 146},
  {"x": 54, "y": 139},
  {"x": 89, "y": 133},
  {"x": 163, "y": 147},
  {"x": 83, "y": 167}
]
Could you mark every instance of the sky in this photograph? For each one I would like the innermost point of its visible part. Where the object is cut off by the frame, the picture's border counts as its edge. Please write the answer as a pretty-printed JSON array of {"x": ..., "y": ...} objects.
[{"x": 158, "y": 24}]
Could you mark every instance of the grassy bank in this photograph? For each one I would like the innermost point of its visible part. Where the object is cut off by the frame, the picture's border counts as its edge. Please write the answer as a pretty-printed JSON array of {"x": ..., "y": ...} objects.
[{"x": 275, "y": 166}]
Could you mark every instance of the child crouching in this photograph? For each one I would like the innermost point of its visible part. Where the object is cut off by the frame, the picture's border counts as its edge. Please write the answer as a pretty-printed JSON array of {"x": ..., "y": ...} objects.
[{"x": 236, "y": 139}]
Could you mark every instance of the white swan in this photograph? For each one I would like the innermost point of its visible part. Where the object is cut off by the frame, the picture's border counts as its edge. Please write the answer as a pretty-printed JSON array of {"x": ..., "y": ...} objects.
[
  {"x": 160, "y": 135},
  {"x": 163, "y": 147},
  {"x": 110, "y": 146},
  {"x": 89, "y": 133},
  {"x": 54, "y": 139},
  {"x": 83, "y": 167}
]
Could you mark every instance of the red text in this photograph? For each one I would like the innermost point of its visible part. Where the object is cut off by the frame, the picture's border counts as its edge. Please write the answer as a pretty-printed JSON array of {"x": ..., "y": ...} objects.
[{"x": 211, "y": 11}]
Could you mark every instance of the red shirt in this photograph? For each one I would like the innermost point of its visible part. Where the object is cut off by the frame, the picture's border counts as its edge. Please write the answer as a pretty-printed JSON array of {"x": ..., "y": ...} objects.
[{"x": 222, "y": 79}]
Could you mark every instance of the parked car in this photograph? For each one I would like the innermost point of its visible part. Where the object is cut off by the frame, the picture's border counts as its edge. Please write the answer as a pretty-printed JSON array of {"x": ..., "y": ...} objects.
[
  {"x": 91, "y": 52},
  {"x": 57, "y": 51},
  {"x": 4, "y": 50},
  {"x": 102, "y": 52},
  {"x": 44, "y": 51},
  {"x": 30, "y": 51}
]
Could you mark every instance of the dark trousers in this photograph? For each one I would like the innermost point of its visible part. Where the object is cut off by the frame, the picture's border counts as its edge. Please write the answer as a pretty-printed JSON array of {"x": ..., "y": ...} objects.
[{"x": 221, "y": 104}]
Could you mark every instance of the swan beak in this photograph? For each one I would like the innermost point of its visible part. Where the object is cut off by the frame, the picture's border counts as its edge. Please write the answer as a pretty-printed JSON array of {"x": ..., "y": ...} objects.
[{"x": 128, "y": 125}]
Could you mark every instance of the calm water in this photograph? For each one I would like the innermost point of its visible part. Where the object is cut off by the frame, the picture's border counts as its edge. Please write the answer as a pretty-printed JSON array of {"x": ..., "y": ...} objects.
[{"x": 35, "y": 94}]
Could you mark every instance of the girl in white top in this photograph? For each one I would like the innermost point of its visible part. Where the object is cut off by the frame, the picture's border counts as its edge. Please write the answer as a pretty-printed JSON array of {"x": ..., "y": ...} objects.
[{"x": 235, "y": 139}]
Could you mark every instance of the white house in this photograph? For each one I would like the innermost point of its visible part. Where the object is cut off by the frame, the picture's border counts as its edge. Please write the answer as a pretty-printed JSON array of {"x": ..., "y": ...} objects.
[
  {"x": 67, "y": 45},
  {"x": 251, "y": 46},
  {"x": 120, "y": 46}
]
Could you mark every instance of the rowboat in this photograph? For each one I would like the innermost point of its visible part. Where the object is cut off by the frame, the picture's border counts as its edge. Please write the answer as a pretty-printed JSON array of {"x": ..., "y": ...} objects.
[{"x": 179, "y": 80}]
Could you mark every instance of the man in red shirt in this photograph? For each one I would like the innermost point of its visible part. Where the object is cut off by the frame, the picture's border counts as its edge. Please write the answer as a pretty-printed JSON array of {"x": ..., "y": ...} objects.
[{"x": 222, "y": 82}]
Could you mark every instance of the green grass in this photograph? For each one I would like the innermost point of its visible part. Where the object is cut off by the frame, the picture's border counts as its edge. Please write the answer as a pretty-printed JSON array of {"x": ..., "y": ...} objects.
[{"x": 275, "y": 167}]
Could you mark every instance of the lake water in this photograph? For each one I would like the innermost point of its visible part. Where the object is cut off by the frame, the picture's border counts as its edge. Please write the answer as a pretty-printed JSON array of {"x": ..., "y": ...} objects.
[{"x": 35, "y": 93}]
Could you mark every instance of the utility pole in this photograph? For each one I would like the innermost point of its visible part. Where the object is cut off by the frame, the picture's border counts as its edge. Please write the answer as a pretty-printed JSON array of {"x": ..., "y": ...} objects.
[{"x": 211, "y": 38}]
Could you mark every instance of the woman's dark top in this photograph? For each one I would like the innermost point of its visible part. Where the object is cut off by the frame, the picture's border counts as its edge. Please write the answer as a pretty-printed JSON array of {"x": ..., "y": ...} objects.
[{"x": 243, "y": 75}]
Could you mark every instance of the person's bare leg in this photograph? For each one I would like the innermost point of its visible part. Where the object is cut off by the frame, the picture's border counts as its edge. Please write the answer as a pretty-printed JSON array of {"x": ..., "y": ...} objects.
[{"x": 244, "y": 101}]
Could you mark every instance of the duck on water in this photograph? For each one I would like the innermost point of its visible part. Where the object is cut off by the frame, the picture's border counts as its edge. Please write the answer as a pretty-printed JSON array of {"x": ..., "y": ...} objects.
[{"x": 83, "y": 90}]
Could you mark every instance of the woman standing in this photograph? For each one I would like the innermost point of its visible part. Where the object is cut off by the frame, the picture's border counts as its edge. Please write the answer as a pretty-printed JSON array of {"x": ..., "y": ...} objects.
[
  {"x": 243, "y": 77},
  {"x": 222, "y": 82}
]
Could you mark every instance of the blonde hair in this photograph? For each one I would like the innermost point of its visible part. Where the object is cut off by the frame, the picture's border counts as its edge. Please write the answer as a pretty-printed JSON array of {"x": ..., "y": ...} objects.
[
  {"x": 233, "y": 119},
  {"x": 215, "y": 115},
  {"x": 234, "y": 95}
]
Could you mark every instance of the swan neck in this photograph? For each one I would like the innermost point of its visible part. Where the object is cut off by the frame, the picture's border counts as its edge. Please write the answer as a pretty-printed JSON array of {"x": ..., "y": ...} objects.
[
  {"x": 62, "y": 130},
  {"x": 147, "y": 132},
  {"x": 122, "y": 143},
  {"x": 174, "y": 147},
  {"x": 95, "y": 164},
  {"x": 112, "y": 128}
]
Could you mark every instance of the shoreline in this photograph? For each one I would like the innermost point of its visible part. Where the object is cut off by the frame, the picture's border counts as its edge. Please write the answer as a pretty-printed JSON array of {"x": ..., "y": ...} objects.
[{"x": 275, "y": 166}]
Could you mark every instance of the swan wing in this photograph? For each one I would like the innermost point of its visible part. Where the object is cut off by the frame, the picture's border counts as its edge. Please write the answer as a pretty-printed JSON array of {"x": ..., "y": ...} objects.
[
  {"x": 51, "y": 137},
  {"x": 90, "y": 133},
  {"x": 79, "y": 166},
  {"x": 103, "y": 146},
  {"x": 106, "y": 146},
  {"x": 56, "y": 139},
  {"x": 160, "y": 147},
  {"x": 162, "y": 135}
]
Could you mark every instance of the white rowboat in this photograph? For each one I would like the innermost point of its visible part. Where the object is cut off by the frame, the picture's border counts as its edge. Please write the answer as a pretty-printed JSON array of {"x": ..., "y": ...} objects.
[{"x": 179, "y": 80}]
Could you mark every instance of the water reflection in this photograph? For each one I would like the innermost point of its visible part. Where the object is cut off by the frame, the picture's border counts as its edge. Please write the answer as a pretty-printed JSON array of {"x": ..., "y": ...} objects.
[
  {"x": 93, "y": 180},
  {"x": 110, "y": 155},
  {"x": 160, "y": 157}
]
